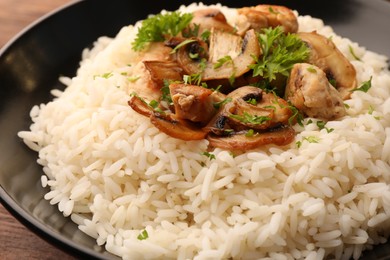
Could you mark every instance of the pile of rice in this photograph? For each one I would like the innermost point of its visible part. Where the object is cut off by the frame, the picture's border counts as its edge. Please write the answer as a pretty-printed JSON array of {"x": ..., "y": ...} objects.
[{"x": 116, "y": 175}]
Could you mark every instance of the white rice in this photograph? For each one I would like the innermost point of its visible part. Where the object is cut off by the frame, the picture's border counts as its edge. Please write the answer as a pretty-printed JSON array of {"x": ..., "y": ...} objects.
[{"x": 117, "y": 175}]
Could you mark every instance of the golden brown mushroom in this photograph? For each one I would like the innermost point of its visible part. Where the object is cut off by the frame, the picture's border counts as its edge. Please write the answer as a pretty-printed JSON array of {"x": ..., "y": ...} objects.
[
  {"x": 238, "y": 66},
  {"x": 264, "y": 16},
  {"x": 309, "y": 91},
  {"x": 325, "y": 55}
]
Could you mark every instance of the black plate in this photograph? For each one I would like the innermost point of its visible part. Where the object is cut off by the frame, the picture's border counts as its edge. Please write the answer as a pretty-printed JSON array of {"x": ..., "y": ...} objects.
[{"x": 31, "y": 64}]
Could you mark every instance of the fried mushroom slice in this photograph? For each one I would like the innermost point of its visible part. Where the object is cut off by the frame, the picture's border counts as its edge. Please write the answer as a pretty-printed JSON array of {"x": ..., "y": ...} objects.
[
  {"x": 194, "y": 103},
  {"x": 237, "y": 67},
  {"x": 167, "y": 122},
  {"x": 309, "y": 91},
  {"x": 250, "y": 108},
  {"x": 242, "y": 142},
  {"x": 162, "y": 70},
  {"x": 325, "y": 55},
  {"x": 264, "y": 16},
  {"x": 210, "y": 18}
]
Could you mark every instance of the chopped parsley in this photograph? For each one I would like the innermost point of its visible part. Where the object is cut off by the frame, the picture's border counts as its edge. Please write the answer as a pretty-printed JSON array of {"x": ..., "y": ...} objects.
[
  {"x": 156, "y": 28},
  {"x": 224, "y": 60},
  {"x": 250, "y": 133},
  {"x": 371, "y": 112},
  {"x": 366, "y": 85},
  {"x": 311, "y": 70},
  {"x": 165, "y": 92},
  {"x": 184, "y": 43},
  {"x": 217, "y": 105},
  {"x": 253, "y": 101},
  {"x": 133, "y": 78},
  {"x": 280, "y": 52},
  {"x": 196, "y": 78},
  {"x": 310, "y": 139},
  {"x": 205, "y": 35},
  {"x": 251, "y": 119},
  {"x": 143, "y": 235},
  {"x": 297, "y": 115},
  {"x": 227, "y": 60},
  {"x": 321, "y": 125},
  {"x": 104, "y": 75},
  {"x": 209, "y": 155},
  {"x": 351, "y": 50},
  {"x": 272, "y": 11}
]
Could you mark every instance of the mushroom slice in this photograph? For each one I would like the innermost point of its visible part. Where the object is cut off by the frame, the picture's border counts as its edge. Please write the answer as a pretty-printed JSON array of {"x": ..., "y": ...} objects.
[
  {"x": 167, "y": 122},
  {"x": 249, "y": 47},
  {"x": 194, "y": 103},
  {"x": 250, "y": 108},
  {"x": 254, "y": 101},
  {"x": 210, "y": 18},
  {"x": 163, "y": 70},
  {"x": 264, "y": 16},
  {"x": 176, "y": 128},
  {"x": 140, "y": 106},
  {"x": 309, "y": 91},
  {"x": 240, "y": 64},
  {"x": 325, "y": 55},
  {"x": 243, "y": 142},
  {"x": 219, "y": 47}
]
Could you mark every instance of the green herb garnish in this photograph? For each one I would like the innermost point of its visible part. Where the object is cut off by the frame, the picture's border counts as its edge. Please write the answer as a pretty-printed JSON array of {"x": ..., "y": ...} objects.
[
  {"x": 310, "y": 139},
  {"x": 184, "y": 43},
  {"x": 321, "y": 125},
  {"x": 217, "y": 105},
  {"x": 209, "y": 155},
  {"x": 371, "y": 112},
  {"x": 205, "y": 35},
  {"x": 196, "y": 78},
  {"x": 224, "y": 60},
  {"x": 351, "y": 50},
  {"x": 165, "y": 92},
  {"x": 133, "y": 78},
  {"x": 366, "y": 85},
  {"x": 280, "y": 52},
  {"x": 227, "y": 60},
  {"x": 250, "y": 133},
  {"x": 311, "y": 70},
  {"x": 104, "y": 75},
  {"x": 156, "y": 28},
  {"x": 143, "y": 235},
  {"x": 297, "y": 115},
  {"x": 252, "y": 101},
  {"x": 251, "y": 119}
]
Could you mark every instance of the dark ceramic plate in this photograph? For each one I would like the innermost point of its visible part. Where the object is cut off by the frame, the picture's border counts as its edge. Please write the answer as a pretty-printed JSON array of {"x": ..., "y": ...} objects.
[{"x": 31, "y": 64}]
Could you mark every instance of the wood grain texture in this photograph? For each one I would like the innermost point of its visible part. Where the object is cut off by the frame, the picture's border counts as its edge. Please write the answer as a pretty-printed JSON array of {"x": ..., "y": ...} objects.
[{"x": 16, "y": 241}]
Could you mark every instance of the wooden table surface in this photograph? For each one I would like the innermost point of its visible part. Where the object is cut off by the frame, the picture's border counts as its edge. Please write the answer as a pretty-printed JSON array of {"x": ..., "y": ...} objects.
[{"x": 16, "y": 241}]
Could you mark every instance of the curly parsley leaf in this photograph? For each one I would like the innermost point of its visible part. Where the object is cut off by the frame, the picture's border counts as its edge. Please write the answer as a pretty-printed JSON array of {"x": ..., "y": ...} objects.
[
  {"x": 157, "y": 27},
  {"x": 280, "y": 52}
]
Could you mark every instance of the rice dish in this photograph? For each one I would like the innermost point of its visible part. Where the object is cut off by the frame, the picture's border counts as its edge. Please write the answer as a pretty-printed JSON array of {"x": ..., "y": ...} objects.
[{"x": 325, "y": 195}]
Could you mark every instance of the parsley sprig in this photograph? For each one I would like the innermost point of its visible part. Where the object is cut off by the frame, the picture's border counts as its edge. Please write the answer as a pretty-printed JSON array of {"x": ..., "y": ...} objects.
[
  {"x": 280, "y": 52},
  {"x": 157, "y": 27}
]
